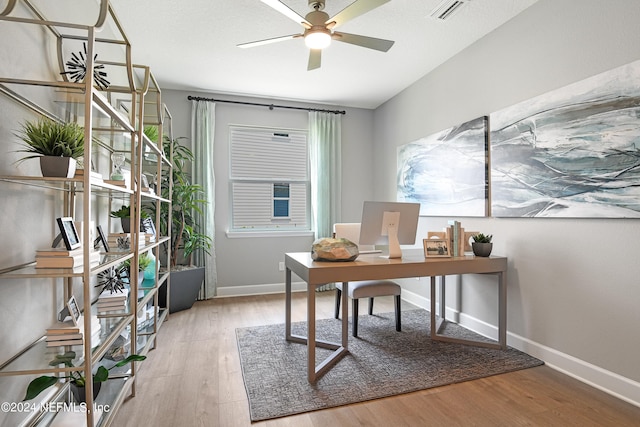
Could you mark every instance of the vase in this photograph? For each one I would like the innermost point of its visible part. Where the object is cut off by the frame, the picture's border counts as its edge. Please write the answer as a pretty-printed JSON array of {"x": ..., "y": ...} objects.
[
  {"x": 58, "y": 167},
  {"x": 481, "y": 249},
  {"x": 79, "y": 393},
  {"x": 126, "y": 224}
]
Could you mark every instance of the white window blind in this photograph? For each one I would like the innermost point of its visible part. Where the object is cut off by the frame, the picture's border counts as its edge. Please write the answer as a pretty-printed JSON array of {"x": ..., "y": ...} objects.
[{"x": 261, "y": 158}]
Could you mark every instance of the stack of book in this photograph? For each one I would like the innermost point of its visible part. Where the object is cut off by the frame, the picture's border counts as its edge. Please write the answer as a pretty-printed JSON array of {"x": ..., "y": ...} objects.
[
  {"x": 62, "y": 258},
  {"x": 116, "y": 301},
  {"x": 66, "y": 333},
  {"x": 115, "y": 239}
]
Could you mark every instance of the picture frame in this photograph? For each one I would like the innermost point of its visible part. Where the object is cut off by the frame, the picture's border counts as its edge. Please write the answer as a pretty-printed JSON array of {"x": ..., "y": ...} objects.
[
  {"x": 147, "y": 226},
  {"x": 102, "y": 238},
  {"x": 436, "y": 248},
  {"x": 69, "y": 233},
  {"x": 74, "y": 310}
]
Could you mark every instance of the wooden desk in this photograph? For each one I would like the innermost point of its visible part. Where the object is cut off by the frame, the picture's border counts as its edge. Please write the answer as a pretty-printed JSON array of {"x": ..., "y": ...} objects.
[{"x": 371, "y": 267}]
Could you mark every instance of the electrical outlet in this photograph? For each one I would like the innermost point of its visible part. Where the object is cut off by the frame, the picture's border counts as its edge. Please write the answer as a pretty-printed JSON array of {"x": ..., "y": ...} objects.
[{"x": 281, "y": 266}]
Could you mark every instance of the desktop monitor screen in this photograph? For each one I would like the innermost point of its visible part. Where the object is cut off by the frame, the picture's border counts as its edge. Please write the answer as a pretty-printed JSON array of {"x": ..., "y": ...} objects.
[{"x": 389, "y": 223}]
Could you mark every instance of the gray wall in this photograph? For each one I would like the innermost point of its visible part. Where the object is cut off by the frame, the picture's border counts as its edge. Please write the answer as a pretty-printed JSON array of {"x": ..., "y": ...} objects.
[
  {"x": 264, "y": 253},
  {"x": 566, "y": 299}
]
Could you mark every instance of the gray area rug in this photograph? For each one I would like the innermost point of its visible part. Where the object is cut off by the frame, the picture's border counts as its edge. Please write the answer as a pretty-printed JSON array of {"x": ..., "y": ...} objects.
[{"x": 381, "y": 362}]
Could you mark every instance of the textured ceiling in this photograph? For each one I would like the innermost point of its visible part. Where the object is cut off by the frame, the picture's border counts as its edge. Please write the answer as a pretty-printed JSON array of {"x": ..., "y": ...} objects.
[{"x": 192, "y": 46}]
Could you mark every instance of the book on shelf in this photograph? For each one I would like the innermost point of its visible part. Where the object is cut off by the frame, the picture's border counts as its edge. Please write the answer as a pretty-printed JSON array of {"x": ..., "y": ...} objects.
[
  {"x": 63, "y": 328},
  {"x": 123, "y": 294},
  {"x": 112, "y": 306},
  {"x": 111, "y": 301},
  {"x": 65, "y": 342},
  {"x": 63, "y": 337},
  {"x": 58, "y": 252},
  {"x": 80, "y": 174},
  {"x": 117, "y": 182},
  {"x": 66, "y": 261}
]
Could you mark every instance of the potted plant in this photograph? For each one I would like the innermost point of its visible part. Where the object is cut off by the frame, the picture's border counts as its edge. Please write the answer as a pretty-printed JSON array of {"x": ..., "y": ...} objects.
[
  {"x": 482, "y": 245},
  {"x": 124, "y": 213},
  {"x": 57, "y": 145},
  {"x": 76, "y": 378},
  {"x": 186, "y": 238},
  {"x": 145, "y": 261}
]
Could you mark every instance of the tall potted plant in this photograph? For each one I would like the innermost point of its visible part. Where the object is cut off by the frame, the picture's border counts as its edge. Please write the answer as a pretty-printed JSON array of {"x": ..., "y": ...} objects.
[
  {"x": 57, "y": 145},
  {"x": 186, "y": 238}
]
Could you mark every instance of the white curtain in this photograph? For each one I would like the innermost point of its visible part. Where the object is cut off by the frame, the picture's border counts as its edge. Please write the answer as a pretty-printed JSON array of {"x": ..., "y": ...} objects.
[
  {"x": 325, "y": 144},
  {"x": 202, "y": 133}
]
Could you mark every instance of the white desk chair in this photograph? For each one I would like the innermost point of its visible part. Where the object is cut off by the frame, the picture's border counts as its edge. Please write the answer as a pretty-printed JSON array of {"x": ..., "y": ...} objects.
[{"x": 366, "y": 288}]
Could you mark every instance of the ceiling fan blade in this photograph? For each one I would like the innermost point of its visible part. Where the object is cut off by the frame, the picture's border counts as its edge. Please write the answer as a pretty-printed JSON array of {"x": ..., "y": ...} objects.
[
  {"x": 267, "y": 41},
  {"x": 355, "y": 9},
  {"x": 315, "y": 57},
  {"x": 364, "y": 41},
  {"x": 288, "y": 12}
]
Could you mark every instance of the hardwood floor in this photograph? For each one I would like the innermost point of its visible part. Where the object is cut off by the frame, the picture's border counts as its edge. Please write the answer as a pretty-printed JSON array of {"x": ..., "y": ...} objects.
[{"x": 193, "y": 378}]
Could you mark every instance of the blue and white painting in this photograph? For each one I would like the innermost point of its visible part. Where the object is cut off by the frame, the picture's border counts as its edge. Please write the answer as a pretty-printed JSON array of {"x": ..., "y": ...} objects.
[
  {"x": 446, "y": 172},
  {"x": 573, "y": 152}
]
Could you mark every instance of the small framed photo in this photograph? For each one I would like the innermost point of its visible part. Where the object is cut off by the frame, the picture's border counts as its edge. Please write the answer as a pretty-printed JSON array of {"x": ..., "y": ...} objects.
[
  {"x": 74, "y": 310},
  {"x": 101, "y": 239},
  {"x": 69, "y": 233},
  {"x": 436, "y": 248}
]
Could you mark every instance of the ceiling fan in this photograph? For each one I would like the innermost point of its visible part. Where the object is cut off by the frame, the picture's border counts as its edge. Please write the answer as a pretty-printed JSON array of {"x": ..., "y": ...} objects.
[{"x": 319, "y": 28}]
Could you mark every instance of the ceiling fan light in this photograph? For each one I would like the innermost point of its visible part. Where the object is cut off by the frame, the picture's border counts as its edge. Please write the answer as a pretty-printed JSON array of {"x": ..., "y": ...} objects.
[{"x": 317, "y": 40}]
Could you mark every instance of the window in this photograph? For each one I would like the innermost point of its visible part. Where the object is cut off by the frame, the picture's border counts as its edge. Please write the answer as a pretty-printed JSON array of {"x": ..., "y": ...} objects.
[
  {"x": 281, "y": 200},
  {"x": 269, "y": 176}
]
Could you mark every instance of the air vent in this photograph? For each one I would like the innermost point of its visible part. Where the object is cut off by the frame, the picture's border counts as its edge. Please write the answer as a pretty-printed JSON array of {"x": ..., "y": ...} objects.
[{"x": 446, "y": 9}]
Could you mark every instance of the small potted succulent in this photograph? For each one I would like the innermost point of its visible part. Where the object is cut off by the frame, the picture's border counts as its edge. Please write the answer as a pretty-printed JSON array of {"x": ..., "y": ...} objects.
[
  {"x": 76, "y": 378},
  {"x": 482, "y": 245},
  {"x": 57, "y": 145}
]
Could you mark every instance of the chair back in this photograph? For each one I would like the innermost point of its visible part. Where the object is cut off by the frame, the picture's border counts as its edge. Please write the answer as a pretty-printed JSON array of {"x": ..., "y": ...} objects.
[{"x": 351, "y": 231}]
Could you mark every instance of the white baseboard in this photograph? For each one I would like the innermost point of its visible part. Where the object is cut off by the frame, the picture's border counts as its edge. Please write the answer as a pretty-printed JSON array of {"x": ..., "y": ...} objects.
[
  {"x": 614, "y": 384},
  {"x": 274, "y": 288}
]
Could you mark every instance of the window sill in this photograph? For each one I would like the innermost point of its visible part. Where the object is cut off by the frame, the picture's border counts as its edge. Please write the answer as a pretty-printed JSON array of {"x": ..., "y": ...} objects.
[{"x": 264, "y": 233}]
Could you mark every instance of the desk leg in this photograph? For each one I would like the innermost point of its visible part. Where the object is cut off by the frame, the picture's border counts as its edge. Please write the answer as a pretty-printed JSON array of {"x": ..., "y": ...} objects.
[
  {"x": 287, "y": 305},
  {"x": 311, "y": 332},
  {"x": 502, "y": 309},
  {"x": 345, "y": 314},
  {"x": 436, "y": 324},
  {"x": 437, "y": 316}
]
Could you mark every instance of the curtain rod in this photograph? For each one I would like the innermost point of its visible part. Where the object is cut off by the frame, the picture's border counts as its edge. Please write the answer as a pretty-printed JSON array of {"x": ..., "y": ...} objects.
[{"x": 270, "y": 106}]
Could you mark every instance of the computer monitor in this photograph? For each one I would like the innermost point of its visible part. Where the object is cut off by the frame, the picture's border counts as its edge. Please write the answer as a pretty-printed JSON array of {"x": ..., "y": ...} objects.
[{"x": 389, "y": 223}]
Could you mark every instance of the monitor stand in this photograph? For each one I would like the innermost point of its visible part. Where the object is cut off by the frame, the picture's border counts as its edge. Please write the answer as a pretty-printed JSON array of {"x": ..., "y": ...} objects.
[{"x": 394, "y": 244}]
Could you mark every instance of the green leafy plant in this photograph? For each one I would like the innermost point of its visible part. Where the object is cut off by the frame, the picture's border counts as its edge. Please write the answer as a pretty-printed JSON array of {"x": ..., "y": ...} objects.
[
  {"x": 481, "y": 238},
  {"x": 144, "y": 261},
  {"x": 151, "y": 132},
  {"x": 42, "y": 383},
  {"x": 123, "y": 212},
  {"x": 187, "y": 202},
  {"x": 49, "y": 138}
]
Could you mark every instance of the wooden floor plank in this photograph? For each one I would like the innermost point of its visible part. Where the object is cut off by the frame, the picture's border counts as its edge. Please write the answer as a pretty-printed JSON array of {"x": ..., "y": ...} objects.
[{"x": 194, "y": 378}]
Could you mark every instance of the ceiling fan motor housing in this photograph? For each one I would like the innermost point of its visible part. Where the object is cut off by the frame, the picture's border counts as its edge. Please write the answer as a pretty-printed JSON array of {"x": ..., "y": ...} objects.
[{"x": 316, "y": 4}]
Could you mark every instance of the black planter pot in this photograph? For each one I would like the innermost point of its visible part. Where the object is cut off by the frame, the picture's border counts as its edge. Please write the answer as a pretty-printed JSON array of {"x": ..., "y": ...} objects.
[
  {"x": 59, "y": 167},
  {"x": 482, "y": 249},
  {"x": 126, "y": 224},
  {"x": 79, "y": 393},
  {"x": 185, "y": 286}
]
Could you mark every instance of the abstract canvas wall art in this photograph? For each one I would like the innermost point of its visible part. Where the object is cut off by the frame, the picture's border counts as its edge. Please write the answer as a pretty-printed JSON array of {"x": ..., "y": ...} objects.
[
  {"x": 573, "y": 152},
  {"x": 446, "y": 172}
]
